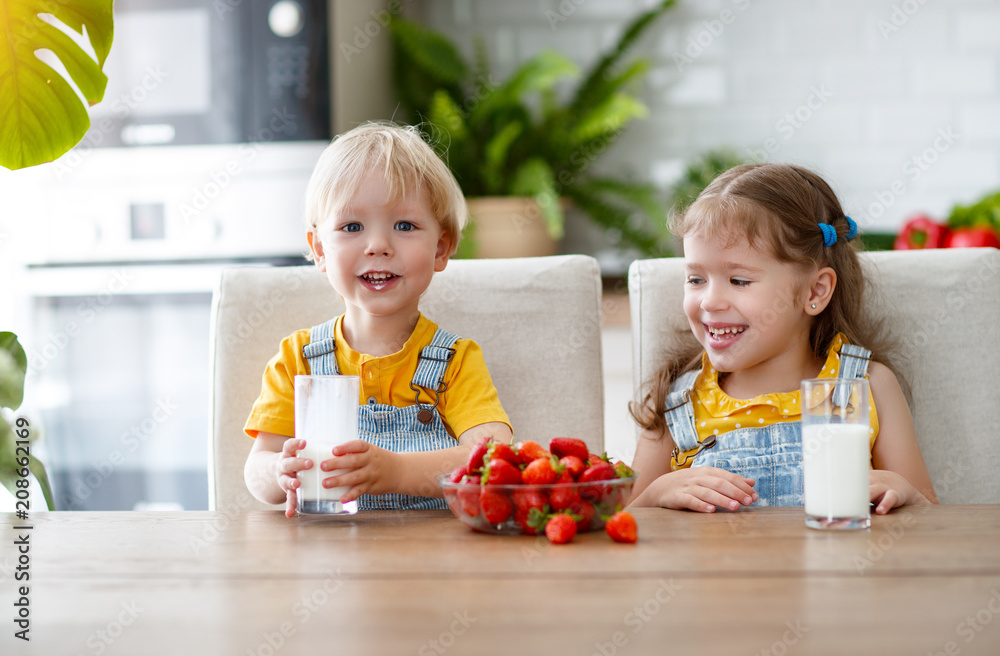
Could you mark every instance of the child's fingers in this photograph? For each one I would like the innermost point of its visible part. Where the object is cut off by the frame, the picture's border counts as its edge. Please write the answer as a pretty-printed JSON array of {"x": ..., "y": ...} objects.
[
  {"x": 731, "y": 486},
  {"x": 291, "y": 447},
  {"x": 290, "y": 503},
  {"x": 353, "y": 446},
  {"x": 889, "y": 500}
]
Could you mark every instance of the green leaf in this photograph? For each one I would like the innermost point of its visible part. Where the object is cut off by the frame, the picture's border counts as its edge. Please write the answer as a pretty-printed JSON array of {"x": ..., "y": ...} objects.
[
  {"x": 495, "y": 155},
  {"x": 538, "y": 74},
  {"x": 609, "y": 118},
  {"x": 13, "y": 365},
  {"x": 444, "y": 115},
  {"x": 535, "y": 178},
  {"x": 37, "y": 470},
  {"x": 429, "y": 50},
  {"x": 41, "y": 116}
]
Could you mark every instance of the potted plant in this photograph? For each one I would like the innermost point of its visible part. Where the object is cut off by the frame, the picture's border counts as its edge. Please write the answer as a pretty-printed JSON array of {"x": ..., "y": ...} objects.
[
  {"x": 42, "y": 119},
  {"x": 518, "y": 140}
]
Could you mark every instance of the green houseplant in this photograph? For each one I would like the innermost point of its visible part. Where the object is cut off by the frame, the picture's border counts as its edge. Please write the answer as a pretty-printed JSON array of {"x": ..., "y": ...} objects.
[
  {"x": 519, "y": 138},
  {"x": 41, "y": 118}
]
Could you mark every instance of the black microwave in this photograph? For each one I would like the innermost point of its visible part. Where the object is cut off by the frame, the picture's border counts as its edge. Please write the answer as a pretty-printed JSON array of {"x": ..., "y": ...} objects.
[{"x": 184, "y": 72}]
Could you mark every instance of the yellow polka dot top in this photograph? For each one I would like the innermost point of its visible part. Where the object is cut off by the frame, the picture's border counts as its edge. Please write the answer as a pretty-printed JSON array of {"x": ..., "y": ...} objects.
[{"x": 716, "y": 412}]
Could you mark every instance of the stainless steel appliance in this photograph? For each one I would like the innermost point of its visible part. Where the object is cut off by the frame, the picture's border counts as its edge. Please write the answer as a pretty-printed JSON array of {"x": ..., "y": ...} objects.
[{"x": 215, "y": 71}]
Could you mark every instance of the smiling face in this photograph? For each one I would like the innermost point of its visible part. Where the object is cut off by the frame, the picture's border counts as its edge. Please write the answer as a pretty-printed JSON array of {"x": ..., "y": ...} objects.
[
  {"x": 380, "y": 253},
  {"x": 746, "y": 308}
]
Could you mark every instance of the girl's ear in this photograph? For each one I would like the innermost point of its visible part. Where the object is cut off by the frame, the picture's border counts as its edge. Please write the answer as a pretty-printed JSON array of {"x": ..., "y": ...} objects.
[
  {"x": 316, "y": 248},
  {"x": 820, "y": 291}
]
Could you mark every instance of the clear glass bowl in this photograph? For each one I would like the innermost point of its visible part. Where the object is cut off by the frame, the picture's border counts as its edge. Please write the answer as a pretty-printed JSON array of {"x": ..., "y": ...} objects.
[{"x": 596, "y": 500}]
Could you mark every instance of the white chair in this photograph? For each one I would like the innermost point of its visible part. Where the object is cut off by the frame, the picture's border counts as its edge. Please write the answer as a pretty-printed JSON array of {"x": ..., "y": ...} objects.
[
  {"x": 943, "y": 306},
  {"x": 537, "y": 320}
]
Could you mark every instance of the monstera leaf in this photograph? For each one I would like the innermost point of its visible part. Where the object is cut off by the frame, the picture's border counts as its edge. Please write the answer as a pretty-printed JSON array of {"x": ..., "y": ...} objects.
[{"x": 41, "y": 115}]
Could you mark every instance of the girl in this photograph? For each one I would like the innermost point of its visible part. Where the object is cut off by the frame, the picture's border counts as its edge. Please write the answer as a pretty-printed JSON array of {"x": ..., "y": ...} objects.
[{"x": 774, "y": 294}]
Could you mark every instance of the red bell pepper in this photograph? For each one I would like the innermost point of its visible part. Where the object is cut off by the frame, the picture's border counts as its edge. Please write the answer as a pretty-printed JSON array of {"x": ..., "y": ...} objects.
[
  {"x": 972, "y": 238},
  {"x": 921, "y": 231}
]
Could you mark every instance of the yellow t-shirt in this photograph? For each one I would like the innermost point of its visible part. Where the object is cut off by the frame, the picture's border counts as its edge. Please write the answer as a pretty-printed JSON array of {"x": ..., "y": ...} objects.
[
  {"x": 470, "y": 398},
  {"x": 716, "y": 412}
]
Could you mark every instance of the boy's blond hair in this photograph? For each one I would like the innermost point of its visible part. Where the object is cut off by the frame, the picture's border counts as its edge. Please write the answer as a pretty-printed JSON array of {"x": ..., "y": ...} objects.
[{"x": 406, "y": 161}]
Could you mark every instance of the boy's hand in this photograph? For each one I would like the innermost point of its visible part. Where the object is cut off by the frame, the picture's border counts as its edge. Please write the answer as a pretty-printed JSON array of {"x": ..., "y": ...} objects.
[
  {"x": 702, "y": 489},
  {"x": 372, "y": 469},
  {"x": 889, "y": 490},
  {"x": 289, "y": 465}
]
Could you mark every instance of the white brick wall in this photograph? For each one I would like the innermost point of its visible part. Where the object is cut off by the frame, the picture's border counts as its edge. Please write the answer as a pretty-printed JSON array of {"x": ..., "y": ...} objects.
[{"x": 897, "y": 72}]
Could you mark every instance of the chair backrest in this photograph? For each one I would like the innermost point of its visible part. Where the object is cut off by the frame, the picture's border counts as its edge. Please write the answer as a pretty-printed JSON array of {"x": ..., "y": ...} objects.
[
  {"x": 943, "y": 307},
  {"x": 537, "y": 320}
]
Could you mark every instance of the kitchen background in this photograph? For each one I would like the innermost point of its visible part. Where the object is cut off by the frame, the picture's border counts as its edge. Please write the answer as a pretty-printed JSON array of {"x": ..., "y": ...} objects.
[{"x": 895, "y": 102}]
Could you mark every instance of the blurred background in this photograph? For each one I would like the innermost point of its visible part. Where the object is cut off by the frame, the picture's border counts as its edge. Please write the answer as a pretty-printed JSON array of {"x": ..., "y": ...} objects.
[{"x": 199, "y": 154}]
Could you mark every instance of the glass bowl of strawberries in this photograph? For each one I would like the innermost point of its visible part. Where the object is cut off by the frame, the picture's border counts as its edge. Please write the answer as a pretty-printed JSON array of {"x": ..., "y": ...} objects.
[{"x": 516, "y": 489}]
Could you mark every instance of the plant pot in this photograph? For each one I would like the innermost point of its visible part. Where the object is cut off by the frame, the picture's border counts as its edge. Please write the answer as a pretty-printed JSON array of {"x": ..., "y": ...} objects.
[{"x": 509, "y": 226}]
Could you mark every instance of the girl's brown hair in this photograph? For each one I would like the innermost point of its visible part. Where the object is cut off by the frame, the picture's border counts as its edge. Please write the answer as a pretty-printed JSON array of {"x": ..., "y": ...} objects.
[{"x": 777, "y": 207}]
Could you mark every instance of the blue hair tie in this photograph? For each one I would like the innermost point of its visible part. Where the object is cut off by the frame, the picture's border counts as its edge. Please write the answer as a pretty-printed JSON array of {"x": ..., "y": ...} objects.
[
  {"x": 852, "y": 228},
  {"x": 829, "y": 234}
]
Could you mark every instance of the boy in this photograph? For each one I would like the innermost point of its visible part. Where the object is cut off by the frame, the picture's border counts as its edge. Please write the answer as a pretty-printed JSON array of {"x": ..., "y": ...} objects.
[{"x": 384, "y": 215}]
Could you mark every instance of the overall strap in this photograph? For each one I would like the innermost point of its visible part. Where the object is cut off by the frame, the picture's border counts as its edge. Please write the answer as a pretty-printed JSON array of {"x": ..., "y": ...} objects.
[
  {"x": 321, "y": 351},
  {"x": 431, "y": 365},
  {"x": 679, "y": 413},
  {"x": 853, "y": 364},
  {"x": 434, "y": 360}
]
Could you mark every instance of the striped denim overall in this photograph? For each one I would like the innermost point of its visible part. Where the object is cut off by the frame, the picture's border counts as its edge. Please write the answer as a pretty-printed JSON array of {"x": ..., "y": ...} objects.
[
  {"x": 771, "y": 455},
  {"x": 416, "y": 427}
]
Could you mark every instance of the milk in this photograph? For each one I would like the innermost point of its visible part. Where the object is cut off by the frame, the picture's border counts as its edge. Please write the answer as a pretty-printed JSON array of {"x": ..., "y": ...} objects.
[
  {"x": 836, "y": 470},
  {"x": 326, "y": 414}
]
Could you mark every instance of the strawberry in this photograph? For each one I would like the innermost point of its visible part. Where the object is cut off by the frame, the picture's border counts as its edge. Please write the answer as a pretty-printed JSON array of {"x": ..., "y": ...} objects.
[
  {"x": 569, "y": 446},
  {"x": 623, "y": 471},
  {"x": 458, "y": 474},
  {"x": 561, "y": 528},
  {"x": 478, "y": 452},
  {"x": 468, "y": 495},
  {"x": 602, "y": 471},
  {"x": 500, "y": 472},
  {"x": 529, "y": 503},
  {"x": 584, "y": 510},
  {"x": 594, "y": 459},
  {"x": 540, "y": 472},
  {"x": 497, "y": 507},
  {"x": 501, "y": 451},
  {"x": 564, "y": 497},
  {"x": 622, "y": 527},
  {"x": 573, "y": 464},
  {"x": 529, "y": 450}
]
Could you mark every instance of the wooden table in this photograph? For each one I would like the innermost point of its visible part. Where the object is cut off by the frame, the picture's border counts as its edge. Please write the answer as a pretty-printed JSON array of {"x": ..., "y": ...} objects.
[{"x": 921, "y": 581}]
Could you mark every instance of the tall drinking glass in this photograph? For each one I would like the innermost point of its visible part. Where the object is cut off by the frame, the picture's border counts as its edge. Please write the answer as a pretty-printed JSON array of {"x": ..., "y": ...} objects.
[
  {"x": 836, "y": 456},
  {"x": 326, "y": 414}
]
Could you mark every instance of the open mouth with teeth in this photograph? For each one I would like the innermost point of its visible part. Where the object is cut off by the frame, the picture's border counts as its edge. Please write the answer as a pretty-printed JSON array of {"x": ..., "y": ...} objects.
[
  {"x": 724, "y": 334},
  {"x": 378, "y": 279}
]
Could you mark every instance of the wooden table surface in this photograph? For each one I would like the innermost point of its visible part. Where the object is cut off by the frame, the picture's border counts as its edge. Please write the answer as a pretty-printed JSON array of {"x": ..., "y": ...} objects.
[{"x": 922, "y": 580}]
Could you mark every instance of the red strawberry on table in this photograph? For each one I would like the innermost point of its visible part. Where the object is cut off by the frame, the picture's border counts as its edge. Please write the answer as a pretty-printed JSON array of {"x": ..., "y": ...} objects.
[
  {"x": 602, "y": 471},
  {"x": 561, "y": 528},
  {"x": 621, "y": 527},
  {"x": 569, "y": 446},
  {"x": 539, "y": 472},
  {"x": 501, "y": 472},
  {"x": 497, "y": 506},
  {"x": 529, "y": 450}
]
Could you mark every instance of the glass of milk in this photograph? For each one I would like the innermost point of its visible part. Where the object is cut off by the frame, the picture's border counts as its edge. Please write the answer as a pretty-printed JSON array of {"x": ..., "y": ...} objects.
[
  {"x": 326, "y": 414},
  {"x": 836, "y": 456}
]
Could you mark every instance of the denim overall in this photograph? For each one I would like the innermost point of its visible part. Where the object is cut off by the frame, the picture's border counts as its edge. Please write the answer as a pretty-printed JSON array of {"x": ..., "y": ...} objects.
[
  {"x": 416, "y": 427},
  {"x": 771, "y": 455}
]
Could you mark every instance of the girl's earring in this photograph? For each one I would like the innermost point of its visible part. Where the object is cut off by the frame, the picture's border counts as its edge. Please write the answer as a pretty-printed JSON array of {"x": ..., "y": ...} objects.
[{"x": 813, "y": 306}]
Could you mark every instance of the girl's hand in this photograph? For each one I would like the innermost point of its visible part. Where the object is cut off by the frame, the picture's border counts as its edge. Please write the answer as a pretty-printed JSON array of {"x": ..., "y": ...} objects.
[
  {"x": 373, "y": 470},
  {"x": 289, "y": 465},
  {"x": 700, "y": 489},
  {"x": 889, "y": 490}
]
